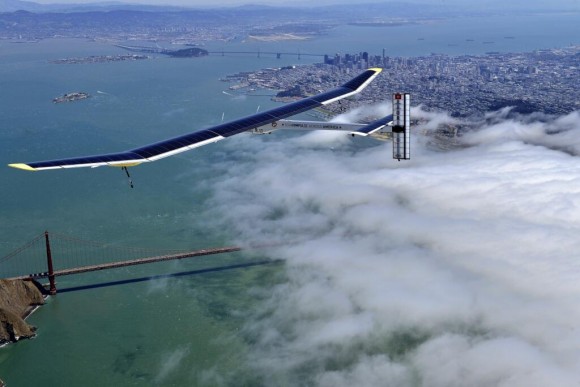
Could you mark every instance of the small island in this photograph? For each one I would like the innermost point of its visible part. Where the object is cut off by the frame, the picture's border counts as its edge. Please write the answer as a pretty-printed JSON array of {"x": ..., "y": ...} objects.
[
  {"x": 191, "y": 52},
  {"x": 69, "y": 97},
  {"x": 100, "y": 59}
]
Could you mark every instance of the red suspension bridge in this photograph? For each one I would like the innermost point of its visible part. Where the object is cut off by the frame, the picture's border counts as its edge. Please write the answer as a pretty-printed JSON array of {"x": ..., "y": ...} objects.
[{"x": 34, "y": 260}]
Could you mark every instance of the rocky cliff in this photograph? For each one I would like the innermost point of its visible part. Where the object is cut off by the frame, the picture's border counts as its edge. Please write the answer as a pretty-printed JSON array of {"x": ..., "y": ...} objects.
[{"x": 17, "y": 298}]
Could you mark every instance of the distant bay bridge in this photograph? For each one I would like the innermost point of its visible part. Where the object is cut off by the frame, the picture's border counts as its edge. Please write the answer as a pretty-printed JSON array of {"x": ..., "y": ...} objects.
[{"x": 258, "y": 53}]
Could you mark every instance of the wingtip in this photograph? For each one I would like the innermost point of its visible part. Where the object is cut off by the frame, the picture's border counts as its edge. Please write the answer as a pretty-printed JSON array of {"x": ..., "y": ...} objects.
[
  {"x": 376, "y": 69},
  {"x": 25, "y": 167}
]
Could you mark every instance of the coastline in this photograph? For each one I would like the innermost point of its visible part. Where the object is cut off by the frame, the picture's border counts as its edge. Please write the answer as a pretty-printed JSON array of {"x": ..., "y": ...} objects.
[
  {"x": 18, "y": 300},
  {"x": 31, "y": 310}
]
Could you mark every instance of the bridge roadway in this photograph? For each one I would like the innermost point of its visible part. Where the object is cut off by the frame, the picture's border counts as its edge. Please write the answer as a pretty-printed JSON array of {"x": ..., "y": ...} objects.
[
  {"x": 140, "y": 261},
  {"x": 277, "y": 53},
  {"x": 161, "y": 50}
]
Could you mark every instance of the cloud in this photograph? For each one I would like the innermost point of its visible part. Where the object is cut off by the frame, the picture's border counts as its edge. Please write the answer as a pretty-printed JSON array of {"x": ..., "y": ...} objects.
[
  {"x": 453, "y": 360},
  {"x": 170, "y": 362},
  {"x": 431, "y": 120},
  {"x": 360, "y": 113},
  {"x": 329, "y": 139},
  {"x": 158, "y": 285},
  {"x": 455, "y": 268},
  {"x": 558, "y": 133}
]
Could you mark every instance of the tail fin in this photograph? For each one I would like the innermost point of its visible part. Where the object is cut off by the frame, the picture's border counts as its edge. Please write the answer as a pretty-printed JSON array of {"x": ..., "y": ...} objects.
[{"x": 401, "y": 126}]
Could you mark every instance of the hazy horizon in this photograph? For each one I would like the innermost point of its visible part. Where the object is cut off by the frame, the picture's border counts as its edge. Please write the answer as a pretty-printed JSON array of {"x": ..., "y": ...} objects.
[{"x": 573, "y": 4}]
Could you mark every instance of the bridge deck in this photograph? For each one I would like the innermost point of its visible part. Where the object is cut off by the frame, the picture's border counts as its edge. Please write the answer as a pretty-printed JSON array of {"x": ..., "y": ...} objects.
[{"x": 140, "y": 261}]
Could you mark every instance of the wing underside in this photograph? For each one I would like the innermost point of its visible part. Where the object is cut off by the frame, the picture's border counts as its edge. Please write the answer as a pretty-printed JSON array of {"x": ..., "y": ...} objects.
[{"x": 202, "y": 137}]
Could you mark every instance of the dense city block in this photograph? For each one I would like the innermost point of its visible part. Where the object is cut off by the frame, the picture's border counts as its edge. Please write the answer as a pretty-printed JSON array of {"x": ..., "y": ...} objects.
[{"x": 540, "y": 81}]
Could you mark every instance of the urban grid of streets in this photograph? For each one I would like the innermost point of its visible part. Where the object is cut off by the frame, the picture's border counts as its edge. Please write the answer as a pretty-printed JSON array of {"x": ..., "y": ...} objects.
[{"x": 464, "y": 86}]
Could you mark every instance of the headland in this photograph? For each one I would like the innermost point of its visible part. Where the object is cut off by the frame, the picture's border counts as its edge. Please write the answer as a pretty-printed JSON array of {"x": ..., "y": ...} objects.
[{"x": 18, "y": 298}]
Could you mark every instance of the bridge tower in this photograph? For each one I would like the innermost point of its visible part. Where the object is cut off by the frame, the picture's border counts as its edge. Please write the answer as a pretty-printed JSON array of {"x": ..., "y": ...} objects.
[{"x": 51, "y": 278}]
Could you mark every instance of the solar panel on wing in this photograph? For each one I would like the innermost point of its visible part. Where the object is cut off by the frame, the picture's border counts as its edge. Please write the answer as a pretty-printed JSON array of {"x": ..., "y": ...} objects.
[{"x": 181, "y": 143}]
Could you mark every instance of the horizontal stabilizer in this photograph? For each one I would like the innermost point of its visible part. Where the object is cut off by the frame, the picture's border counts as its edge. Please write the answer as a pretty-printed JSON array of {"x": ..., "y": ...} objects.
[{"x": 374, "y": 126}]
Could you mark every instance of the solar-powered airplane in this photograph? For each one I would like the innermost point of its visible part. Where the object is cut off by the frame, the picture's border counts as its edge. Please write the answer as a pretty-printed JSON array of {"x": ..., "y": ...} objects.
[{"x": 263, "y": 122}]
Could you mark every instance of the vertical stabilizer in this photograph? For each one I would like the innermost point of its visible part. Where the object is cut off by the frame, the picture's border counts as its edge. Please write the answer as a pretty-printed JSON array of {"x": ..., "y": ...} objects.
[{"x": 401, "y": 126}]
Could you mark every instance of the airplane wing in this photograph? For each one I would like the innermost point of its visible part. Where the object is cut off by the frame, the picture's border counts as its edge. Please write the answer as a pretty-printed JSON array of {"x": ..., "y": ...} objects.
[{"x": 202, "y": 137}]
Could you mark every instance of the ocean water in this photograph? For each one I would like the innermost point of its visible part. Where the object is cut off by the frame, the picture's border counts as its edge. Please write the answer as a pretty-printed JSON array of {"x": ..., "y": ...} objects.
[{"x": 172, "y": 331}]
